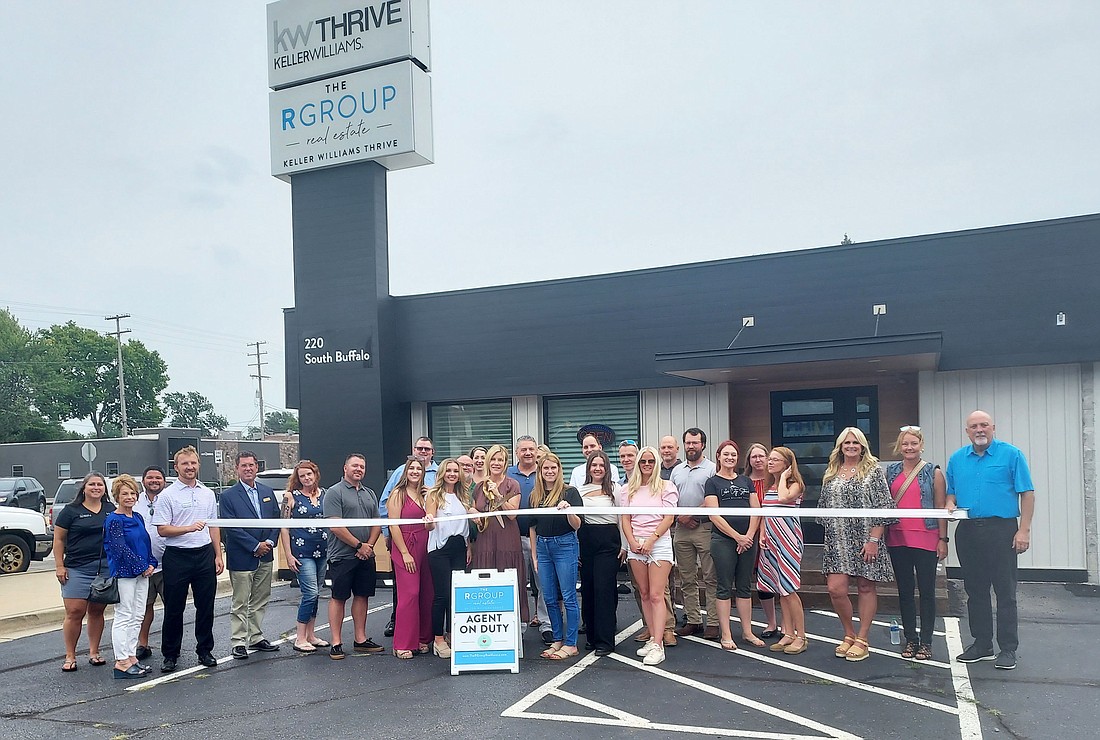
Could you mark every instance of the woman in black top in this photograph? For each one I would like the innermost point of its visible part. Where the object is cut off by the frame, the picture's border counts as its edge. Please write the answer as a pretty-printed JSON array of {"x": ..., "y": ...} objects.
[
  {"x": 733, "y": 543},
  {"x": 78, "y": 553},
  {"x": 554, "y": 542}
]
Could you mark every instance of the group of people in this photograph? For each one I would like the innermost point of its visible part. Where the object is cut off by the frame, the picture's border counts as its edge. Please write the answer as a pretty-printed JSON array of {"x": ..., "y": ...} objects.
[{"x": 156, "y": 541}]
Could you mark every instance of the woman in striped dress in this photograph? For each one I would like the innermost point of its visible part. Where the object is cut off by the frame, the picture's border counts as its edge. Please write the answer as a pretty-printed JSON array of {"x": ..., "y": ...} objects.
[{"x": 781, "y": 548}]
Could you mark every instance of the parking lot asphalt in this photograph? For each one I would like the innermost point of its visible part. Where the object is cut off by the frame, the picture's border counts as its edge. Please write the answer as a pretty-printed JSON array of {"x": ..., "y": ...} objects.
[{"x": 699, "y": 691}]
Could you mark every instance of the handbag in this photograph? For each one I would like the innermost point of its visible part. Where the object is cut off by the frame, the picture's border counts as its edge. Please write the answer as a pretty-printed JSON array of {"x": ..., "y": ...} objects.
[{"x": 104, "y": 589}]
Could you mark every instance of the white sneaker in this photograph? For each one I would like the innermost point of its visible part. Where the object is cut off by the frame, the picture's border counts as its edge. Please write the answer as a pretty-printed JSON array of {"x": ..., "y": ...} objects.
[
  {"x": 646, "y": 649},
  {"x": 655, "y": 656}
]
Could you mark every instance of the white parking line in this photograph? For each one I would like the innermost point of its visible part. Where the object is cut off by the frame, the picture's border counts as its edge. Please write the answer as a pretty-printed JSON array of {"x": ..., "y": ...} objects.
[
  {"x": 970, "y": 725},
  {"x": 831, "y": 677},
  {"x": 169, "y": 677},
  {"x": 826, "y": 613}
]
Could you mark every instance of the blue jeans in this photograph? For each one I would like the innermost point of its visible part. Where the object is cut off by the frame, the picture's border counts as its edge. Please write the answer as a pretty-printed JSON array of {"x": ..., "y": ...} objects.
[
  {"x": 558, "y": 557},
  {"x": 311, "y": 574}
]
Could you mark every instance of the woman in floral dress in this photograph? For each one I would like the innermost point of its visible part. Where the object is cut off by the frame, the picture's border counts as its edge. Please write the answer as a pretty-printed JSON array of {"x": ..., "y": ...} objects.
[
  {"x": 306, "y": 549},
  {"x": 853, "y": 547}
]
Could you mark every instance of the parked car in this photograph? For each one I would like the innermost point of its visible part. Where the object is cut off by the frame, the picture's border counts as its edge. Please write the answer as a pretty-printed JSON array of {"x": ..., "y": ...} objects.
[
  {"x": 24, "y": 536},
  {"x": 23, "y": 492}
]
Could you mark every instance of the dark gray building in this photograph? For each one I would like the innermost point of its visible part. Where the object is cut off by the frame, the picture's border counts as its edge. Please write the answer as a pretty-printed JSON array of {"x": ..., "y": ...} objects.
[{"x": 782, "y": 348}]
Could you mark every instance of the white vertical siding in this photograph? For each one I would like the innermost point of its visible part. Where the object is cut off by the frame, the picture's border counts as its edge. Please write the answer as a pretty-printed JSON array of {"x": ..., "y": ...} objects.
[
  {"x": 419, "y": 419},
  {"x": 672, "y": 410},
  {"x": 1038, "y": 409},
  {"x": 527, "y": 417}
]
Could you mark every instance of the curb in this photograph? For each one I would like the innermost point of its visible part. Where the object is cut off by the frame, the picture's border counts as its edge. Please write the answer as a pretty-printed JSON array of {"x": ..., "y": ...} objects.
[{"x": 13, "y": 625}]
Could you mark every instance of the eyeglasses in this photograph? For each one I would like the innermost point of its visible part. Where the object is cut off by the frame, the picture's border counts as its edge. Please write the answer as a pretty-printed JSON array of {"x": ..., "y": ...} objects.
[
  {"x": 423, "y": 449},
  {"x": 647, "y": 461},
  {"x": 909, "y": 428}
]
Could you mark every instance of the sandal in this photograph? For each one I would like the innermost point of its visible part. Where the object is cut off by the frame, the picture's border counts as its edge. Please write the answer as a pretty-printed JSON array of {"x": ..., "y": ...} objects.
[
  {"x": 424, "y": 649},
  {"x": 554, "y": 647},
  {"x": 769, "y": 634},
  {"x": 910, "y": 650},
  {"x": 753, "y": 640},
  {"x": 843, "y": 648},
  {"x": 96, "y": 660},
  {"x": 68, "y": 666},
  {"x": 792, "y": 650},
  {"x": 563, "y": 654},
  {"x": 729, "y": 645},
  {"x": 924, "y": 652},
  {"x": 304, "y": 647},
  {"x": 859, "y": 651},
  {"x": 317, "y": 642},
  {"x": 782, "y": 644},
  {"x": 403, "y": 654}
]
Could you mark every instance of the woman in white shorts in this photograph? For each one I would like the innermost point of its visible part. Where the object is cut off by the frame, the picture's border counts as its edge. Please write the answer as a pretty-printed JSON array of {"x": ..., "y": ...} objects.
[{"x": 649, "y": 545}]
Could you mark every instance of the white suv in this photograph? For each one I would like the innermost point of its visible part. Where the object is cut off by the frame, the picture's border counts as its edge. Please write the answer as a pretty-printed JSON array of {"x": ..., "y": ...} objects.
[{"x": 24, "y": 536}]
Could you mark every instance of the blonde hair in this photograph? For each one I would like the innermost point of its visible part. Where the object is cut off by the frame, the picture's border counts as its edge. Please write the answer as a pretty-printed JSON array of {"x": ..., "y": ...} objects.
[
  {"x": 915, "y": 431},
  {"x": 123, "y": 481},
  {"x": 187, "y": 451},
  {"x": 492, "y": 452},
  {"x": 539, "y": 495},
  {"x": 656, "y": 483},
  {"x": 866, "y": 464},
  {"x": 438, "y": 492}
]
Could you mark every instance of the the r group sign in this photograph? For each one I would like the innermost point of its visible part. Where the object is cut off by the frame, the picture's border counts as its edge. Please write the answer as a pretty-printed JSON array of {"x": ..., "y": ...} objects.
[
  {"x": 311, "y": 39},
  {"x": 381, "y": 114}
]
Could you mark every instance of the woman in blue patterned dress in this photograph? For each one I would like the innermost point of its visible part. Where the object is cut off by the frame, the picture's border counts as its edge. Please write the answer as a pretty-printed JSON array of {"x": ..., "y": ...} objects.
[
  {"x": 306, "y": 549},
  {"x": 780, "y": 565}
]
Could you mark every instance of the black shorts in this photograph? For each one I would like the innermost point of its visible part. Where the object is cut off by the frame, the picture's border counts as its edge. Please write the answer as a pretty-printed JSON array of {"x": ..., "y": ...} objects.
[{"x": 351, "y": 576}]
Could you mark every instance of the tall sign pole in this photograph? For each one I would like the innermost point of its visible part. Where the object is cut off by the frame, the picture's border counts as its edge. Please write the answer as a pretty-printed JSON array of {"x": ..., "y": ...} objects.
[
  {"x": 259, "y": 376},
  {"x": 350, "y": 101}
]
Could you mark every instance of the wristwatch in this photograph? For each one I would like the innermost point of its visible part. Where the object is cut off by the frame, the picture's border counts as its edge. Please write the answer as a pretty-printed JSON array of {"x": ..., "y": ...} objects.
[
  {"x": 945, "y": 539},
  {"x": 359, "y": 544}
]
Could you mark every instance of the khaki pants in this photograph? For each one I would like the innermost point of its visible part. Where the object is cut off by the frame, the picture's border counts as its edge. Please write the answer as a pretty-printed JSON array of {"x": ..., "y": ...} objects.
[
  {"x": 251, "y": 592},
  {"x": 692, "y": 548}
]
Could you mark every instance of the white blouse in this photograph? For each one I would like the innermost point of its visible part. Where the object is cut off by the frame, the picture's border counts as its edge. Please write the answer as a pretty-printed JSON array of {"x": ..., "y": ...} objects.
[{"x": 443, "y": 531}]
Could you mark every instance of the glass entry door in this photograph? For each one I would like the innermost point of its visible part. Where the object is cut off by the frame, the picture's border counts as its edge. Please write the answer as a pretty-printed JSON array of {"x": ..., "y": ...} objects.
[{"x": 808, "y": 421}]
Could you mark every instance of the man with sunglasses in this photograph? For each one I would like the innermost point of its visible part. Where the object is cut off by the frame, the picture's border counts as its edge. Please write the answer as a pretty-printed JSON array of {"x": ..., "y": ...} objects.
[{"x": 423, "y": 450}]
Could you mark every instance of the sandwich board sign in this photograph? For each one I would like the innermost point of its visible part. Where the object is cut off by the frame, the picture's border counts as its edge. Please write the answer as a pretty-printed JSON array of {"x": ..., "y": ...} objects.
[{"x": 485, "y": 624}]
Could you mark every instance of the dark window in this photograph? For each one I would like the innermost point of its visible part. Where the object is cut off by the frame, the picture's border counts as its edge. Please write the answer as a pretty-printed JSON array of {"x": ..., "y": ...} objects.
[
  {"x": 16, "y": 471},
  {"x": 110, "y": 469},
  {"x": 808, "y": 421},
  {"x": 565, "y": 416},
  {"x": 64, "y": 470}
]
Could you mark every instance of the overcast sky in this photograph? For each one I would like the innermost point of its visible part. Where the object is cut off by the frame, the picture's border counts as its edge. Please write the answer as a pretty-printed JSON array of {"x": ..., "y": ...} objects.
[{"x": 570, "y": 138}]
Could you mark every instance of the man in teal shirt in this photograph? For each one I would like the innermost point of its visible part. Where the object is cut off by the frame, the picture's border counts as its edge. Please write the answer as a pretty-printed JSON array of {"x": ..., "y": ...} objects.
[{"x": 990, "y": 479}]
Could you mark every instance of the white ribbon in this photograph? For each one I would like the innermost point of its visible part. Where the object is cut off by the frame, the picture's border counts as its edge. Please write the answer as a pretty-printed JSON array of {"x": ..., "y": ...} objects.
[{"x": 767, "y": 511}]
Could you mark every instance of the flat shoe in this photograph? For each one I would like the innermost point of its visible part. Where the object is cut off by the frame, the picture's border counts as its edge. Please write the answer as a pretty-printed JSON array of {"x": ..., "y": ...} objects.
[
  {"x": 96, "y": 660},
  {"x": 551, "y": 650},
  {"x": 69, "y": 666},
  {"x": 769, "y": 634},
  {"x": 319, "y": 643},
  {"x": 753, "y": 640},
  {"x": 729, "y": 645},
  {"x": 304, "y": 647},
  {"x": 563, "y": 654},
  {"x": 792, "y": 650}
]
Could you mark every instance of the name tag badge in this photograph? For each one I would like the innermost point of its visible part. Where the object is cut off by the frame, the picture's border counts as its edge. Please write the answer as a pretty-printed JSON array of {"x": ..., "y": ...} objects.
[
  {"x": 267, "y": 499},
  {"x": 186, "y": 505}
]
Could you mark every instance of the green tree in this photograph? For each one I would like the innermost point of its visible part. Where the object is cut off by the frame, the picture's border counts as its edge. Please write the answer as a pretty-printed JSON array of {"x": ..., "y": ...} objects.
[
  {"x": 80, "y": 379},
  {"x": 20, "y": 421},
  {"x": 276, "y": 422},
  {"x": 192, "y": 410}
]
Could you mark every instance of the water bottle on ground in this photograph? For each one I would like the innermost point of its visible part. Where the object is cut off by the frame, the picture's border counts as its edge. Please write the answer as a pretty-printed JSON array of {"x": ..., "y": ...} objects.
[{"x": 895, "y": 632}]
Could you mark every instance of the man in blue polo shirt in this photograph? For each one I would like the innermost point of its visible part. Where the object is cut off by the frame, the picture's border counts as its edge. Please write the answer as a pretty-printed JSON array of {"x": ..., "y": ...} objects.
[
  {"x": 523, "y": 473},
  {"x": 990, "y": 479}
]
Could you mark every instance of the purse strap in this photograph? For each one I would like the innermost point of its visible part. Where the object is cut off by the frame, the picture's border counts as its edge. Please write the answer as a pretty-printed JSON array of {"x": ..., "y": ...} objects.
[{"x": 908, "y": 481}]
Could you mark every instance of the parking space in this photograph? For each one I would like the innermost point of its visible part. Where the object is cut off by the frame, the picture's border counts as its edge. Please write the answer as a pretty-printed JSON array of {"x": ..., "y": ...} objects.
[{"x": 700, "y": 690}]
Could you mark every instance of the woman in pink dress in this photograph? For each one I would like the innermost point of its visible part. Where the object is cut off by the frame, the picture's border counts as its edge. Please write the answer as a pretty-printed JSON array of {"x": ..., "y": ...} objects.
[{"x": 412, "y": 630}]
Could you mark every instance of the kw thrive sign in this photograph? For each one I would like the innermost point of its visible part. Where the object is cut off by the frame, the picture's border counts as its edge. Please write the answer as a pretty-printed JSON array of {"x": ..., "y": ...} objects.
[{"x": 311, "y": 39}]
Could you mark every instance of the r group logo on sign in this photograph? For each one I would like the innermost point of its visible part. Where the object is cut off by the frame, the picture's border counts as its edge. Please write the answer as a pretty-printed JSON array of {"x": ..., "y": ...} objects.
[
  {"x": 381, "y": 114},
  {"x": 311, "y": 39}
]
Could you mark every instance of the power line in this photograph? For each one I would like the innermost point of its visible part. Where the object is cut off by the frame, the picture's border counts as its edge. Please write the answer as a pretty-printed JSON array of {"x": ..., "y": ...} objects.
[{"x": 259, "y": 376}]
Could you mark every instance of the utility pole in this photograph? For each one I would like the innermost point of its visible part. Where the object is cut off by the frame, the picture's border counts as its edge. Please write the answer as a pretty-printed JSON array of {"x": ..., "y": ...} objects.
[
  {"x": 117, "y": 334},
  {"x": 259, "y": 376}
]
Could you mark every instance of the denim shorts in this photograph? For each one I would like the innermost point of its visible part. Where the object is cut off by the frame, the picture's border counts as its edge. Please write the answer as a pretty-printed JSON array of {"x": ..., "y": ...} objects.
[{"x": 661, "y": 552}]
